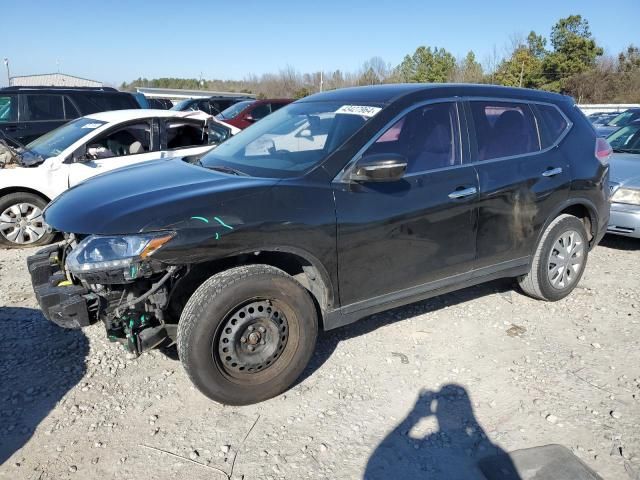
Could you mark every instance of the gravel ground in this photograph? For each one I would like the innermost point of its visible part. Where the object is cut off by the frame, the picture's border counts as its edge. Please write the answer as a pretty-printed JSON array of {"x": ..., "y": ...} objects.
[{"x": 418, "y": 392}]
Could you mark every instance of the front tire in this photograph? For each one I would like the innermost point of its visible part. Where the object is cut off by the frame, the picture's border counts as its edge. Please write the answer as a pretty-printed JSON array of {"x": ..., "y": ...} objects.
[
  {"x": 21, "y": 221},
  {"x": 559, "y": 260},
  {"x": 246, "y": 334}
]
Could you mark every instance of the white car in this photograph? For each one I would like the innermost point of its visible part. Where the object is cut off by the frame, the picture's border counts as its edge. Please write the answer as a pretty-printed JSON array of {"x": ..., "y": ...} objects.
[{"x": 89, "y": 146}]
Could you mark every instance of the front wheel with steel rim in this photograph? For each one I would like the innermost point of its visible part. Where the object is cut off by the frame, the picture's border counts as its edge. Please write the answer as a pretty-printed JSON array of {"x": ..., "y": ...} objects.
[
  {"x": 246, "y": 334},
  {"x": 22, "y": 222},
  {"x": 559, "y": 260}
]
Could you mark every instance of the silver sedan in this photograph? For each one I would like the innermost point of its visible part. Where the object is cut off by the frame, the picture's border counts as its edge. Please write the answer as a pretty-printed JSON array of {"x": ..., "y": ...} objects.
[{"x": 625, "y": 181}]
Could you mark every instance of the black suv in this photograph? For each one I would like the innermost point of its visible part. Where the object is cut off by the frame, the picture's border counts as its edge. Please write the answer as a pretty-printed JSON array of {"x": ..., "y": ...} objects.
[
  {"x": 26, "y": 113},
  {"x": 334, "y": 207},
  {"x": 212, "y": 105}
]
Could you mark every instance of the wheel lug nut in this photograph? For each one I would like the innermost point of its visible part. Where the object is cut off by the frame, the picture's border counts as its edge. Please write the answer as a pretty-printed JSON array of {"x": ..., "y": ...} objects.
[
  {"x": 262, "y": 329},
  {"x": 251, "y": 348},
  {"x": 243, "y": 339},
  {"x": 251, "y": 328},
  {"x": 262, "y": 342}
]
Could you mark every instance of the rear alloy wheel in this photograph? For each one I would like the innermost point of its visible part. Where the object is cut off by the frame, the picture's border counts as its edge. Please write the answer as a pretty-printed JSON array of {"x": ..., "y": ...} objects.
[
  {"x": 22, "y": 222},
  {"x": 559, "y": 260},
  {"x": 246, "y": 334}
]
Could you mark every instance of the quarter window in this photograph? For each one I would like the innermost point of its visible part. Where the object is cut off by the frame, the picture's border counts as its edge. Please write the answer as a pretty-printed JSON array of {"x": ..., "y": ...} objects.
[
  {"x": 504, "y": 129},
  {"x": 43, "y": 107},
  {"x": 551, "y": 123},
  {"x": 427, "y": 137}
]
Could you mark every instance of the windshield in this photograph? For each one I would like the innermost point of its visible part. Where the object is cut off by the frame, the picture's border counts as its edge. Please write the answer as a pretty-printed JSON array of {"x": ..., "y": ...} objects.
[
  {"x": 183, "y": 105},
  {"x": 234, "y": 110},
  {"x": 290, "y": 141},
  {"x": 627, "y": 139},
  {"x": 625, "y": 118},
  {"x": 54, "y": 142}
]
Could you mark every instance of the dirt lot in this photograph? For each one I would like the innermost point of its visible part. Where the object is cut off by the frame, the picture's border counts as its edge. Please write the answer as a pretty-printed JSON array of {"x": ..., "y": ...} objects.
[{"x": 418, "y": 392}]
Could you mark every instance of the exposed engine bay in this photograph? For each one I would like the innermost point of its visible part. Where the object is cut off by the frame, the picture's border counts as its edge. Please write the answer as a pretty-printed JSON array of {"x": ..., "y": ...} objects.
[{"x": 130, "y": 297}]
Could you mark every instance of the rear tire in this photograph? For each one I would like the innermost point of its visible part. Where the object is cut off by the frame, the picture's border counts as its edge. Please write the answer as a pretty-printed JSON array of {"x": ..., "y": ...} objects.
[
  {"x": 246, "y": 334},
  {"x": 559, "y": 260},
  {"x": 21, "y": 221}
]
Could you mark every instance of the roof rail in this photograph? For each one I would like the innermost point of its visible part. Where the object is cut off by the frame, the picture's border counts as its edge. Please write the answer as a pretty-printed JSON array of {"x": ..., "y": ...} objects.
[{"x": 45, "y": 87}]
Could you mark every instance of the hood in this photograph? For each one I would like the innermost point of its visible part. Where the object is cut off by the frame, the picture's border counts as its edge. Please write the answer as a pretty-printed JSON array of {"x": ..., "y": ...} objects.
[
  {"x": 151, "y": 196},
  {"x": 624, "y": 169}
]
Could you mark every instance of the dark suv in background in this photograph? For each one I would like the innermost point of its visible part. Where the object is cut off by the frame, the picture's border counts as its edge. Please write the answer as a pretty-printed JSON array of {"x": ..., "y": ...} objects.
[
  {"x": 26, "y": 113},
  {"x": 337, "y": 206}
]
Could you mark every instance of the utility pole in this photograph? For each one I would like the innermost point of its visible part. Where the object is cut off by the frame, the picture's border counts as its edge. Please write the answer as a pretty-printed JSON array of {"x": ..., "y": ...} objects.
[
  {"x": 6, "y": 64},
  {"x": 521, "y": 73}
]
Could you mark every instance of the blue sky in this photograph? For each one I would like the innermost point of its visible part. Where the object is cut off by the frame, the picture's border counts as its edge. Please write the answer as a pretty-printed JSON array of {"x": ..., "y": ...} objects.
[{"x": 117, "y": 40}]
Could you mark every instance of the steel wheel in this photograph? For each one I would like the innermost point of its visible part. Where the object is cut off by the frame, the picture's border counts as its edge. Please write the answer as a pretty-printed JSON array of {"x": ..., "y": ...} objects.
[
  {"x": 252, "y": 338},
  {"x": 22, "y": 223},
  {"x": 565, "y": 259}
]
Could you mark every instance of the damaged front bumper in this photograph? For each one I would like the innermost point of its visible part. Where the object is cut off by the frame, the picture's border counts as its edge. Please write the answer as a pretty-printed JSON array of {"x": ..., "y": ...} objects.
[
  {"x": 62, "y": 302},
  {"x": 131, "y": 312}
]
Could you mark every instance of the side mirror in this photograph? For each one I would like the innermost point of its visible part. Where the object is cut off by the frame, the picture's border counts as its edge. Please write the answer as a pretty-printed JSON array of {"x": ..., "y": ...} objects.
[{"x": 381, "y": 167}]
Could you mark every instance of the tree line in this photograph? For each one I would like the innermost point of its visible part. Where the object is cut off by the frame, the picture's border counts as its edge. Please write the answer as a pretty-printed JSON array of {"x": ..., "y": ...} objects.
[{"x": 570, "y": 61}]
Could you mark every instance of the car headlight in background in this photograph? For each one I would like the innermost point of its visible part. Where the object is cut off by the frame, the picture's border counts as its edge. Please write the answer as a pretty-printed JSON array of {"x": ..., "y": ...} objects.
[
  {"x": 626, "y": 195},
  {"x": 99, "y": 253}
]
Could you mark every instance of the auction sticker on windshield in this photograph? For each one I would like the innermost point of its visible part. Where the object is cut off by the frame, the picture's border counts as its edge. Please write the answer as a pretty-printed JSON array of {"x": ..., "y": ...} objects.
[
  {"x": 363, "y": 110},
  {"x": 92, "y": 125}
]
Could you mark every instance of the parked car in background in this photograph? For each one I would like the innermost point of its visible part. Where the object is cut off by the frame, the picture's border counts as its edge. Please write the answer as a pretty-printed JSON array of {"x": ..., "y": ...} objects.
[
  {"x": 241, "y": 256},
  {"x": 619, "y": 121},
  {"x": 86, "y": 147},
  {"x": 602, "y": 118},
  {"x": 246, "y": 113},
  {"x": 625, "y": 181},
  {"x": 29, "y": 112},
  {"x": 212, "y": 105},
  {"x": 155, "y": 103}
]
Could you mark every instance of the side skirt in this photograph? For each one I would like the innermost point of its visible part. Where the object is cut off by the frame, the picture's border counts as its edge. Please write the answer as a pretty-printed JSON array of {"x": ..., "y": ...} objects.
[{"x": 356, "y": 311}]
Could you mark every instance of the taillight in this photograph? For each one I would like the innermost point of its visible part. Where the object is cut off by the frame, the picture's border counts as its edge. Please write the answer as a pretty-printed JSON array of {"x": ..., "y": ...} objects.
[{"x": 603, "y": 150}]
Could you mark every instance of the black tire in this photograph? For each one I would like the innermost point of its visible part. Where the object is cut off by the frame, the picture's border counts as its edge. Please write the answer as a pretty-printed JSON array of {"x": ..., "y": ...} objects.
[
  {"x": 24, "y": 198},
  {"x": 537, "y": 283},
  {"x": 206, "y": 322}
]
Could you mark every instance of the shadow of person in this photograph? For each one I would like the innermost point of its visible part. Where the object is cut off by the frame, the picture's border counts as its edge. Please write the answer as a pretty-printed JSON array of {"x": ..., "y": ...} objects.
[
  {"x": 39, "y": 363},
  {"x": 440, "y": 439}
]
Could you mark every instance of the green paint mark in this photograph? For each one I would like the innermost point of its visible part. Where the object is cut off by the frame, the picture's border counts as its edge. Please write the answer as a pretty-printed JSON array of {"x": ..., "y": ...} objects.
[
  {"x": 217, "y": 219},
  {"x": 217, "y": 236},
  {"x": 202, "y": 219}
]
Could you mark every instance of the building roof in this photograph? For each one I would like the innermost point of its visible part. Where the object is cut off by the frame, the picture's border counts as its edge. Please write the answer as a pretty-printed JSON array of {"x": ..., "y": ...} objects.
[{"x": 52, "y": 79}]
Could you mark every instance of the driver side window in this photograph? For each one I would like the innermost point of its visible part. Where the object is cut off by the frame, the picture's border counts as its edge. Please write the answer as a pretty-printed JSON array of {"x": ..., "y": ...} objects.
[
  {"x": 133, "y": 139},
  {"x": 427, "y": 136}
]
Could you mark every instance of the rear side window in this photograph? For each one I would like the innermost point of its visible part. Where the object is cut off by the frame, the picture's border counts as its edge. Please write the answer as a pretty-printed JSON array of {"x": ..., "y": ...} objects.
[
  {"x": 8, "y": 108},
  {"x": 92, "y": 103},
  {"x": 261, "y": 111},
  {"x": 552, "y": 124},
  {"x": 43, "y": 107},
  {"x": 504, "y": 129}
]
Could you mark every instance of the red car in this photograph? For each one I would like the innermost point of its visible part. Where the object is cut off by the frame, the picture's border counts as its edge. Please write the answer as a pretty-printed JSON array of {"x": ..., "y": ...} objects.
[{"x": 245, "y": 113}]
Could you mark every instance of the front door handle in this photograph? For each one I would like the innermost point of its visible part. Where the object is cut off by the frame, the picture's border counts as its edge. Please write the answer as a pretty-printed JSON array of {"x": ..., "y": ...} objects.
[
  {"x": 552, "y": 172},
  {"x": 462, "y": 193}
]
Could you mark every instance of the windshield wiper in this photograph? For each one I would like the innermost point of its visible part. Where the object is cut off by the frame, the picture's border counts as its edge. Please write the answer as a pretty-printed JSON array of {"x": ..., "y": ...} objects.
[
  {"x": 224, "y": 169},
  {"x": 626, "y": 150}
]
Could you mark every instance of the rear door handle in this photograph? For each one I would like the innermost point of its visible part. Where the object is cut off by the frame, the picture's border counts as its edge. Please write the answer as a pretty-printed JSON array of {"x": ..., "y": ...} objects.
[
  {"x": 465, "y": 192},
  {"x": 552, "y": 172}
]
